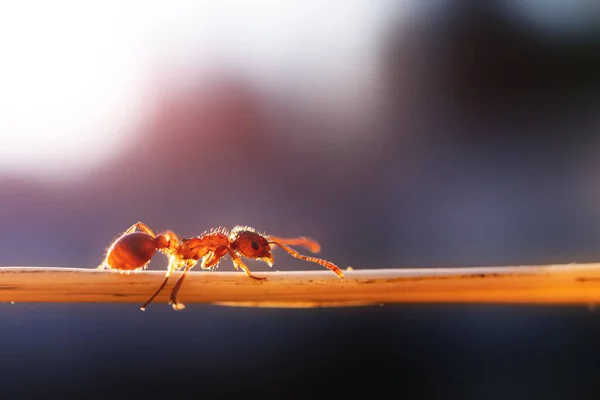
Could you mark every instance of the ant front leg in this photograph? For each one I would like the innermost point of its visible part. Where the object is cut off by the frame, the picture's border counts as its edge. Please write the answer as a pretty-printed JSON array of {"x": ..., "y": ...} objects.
[{"x": 238, "y": 263}]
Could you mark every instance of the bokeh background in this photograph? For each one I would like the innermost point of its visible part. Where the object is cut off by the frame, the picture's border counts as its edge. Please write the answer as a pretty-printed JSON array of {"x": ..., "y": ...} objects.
[{"x": 397, "y": 133}]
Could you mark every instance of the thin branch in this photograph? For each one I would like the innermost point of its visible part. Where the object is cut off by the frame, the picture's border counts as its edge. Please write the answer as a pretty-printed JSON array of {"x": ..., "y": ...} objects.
[{"x": 550, "y": 284}]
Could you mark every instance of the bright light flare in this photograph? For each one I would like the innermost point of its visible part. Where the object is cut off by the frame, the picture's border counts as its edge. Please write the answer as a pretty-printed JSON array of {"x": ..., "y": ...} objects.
[
  {"x": 70, "y": 83},
  {"x": 75, "y": 76}
]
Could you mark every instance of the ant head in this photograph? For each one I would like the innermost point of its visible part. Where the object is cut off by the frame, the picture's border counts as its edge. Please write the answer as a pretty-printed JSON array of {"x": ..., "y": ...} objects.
[{"x": 250, "y": 244}]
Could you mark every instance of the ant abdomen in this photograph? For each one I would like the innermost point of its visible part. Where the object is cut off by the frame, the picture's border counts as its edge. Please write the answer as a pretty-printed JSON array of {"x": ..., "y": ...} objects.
[{"x": 132, "y": 251}]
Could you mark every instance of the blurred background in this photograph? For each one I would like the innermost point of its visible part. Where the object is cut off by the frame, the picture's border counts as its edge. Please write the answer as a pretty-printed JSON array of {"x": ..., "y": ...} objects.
[{"x": 397, "y": 133}]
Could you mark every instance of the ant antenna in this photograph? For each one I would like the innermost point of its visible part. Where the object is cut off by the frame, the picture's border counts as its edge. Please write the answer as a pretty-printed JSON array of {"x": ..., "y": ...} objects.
[
  {"x": 297, "y": 255},
  {"x": 311, "y": 244}
]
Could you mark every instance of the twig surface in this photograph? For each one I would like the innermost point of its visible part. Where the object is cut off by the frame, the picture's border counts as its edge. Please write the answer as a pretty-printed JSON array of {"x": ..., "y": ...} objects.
[{"x": 550, "y": 284}]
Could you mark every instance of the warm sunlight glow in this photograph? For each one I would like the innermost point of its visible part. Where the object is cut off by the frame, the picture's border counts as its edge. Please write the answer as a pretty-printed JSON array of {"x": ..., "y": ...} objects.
[
  {"x": 70, "y": 84},
  {"x": 75, "y": 76}
]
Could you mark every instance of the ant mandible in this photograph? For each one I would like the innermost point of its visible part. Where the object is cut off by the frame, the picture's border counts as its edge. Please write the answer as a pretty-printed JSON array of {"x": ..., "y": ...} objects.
[{"x": 133, "y": 251}]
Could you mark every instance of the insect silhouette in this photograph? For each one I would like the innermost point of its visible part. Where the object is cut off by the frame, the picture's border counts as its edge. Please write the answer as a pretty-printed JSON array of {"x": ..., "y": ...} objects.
[{"x": 133, "y": 251}]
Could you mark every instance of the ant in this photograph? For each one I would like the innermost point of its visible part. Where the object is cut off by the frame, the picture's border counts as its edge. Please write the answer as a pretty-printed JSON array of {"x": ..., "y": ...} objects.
[{"x": 134, "y": 250}]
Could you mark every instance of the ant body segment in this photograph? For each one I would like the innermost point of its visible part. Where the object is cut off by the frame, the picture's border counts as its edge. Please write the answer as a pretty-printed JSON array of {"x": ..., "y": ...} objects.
[{"x": 133, "y": 251}]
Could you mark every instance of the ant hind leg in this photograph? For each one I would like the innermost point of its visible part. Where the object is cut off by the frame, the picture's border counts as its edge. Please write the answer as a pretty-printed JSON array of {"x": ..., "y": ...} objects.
[
  {"x": 173, "y": 298},
  {"x": 142, "y": 227},
  {"x": 174, "y": 264}
]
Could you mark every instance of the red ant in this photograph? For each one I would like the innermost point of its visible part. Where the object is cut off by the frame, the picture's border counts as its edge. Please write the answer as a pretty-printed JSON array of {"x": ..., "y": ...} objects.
[{"x": 133, "y": 251}]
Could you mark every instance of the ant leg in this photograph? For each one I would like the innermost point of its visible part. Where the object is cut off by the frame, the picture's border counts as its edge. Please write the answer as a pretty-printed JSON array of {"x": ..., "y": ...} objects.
[
  {"x": 310, "y": 244},
  {"x": 168, "y": 243},
  {"x": 142, "y": 227},
  {"x": 238, "y": 263},
  {"x": 173, "y": 299},
  {"x": 211, "y": 260},
  {"x": 174, "y": 264},
  {"x": 161, "y": 287},
  {"x": 323, "y": 263},
  {"x": 208, "y": 261}
]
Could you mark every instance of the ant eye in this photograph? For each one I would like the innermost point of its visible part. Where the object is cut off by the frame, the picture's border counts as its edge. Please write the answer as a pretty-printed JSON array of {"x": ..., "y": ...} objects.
[{"x": 250, "y": 244}]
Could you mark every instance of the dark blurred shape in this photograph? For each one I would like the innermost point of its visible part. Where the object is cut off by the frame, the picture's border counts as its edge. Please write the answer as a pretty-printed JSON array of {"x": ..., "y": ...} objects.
[{"x": 479, "y": 63}]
